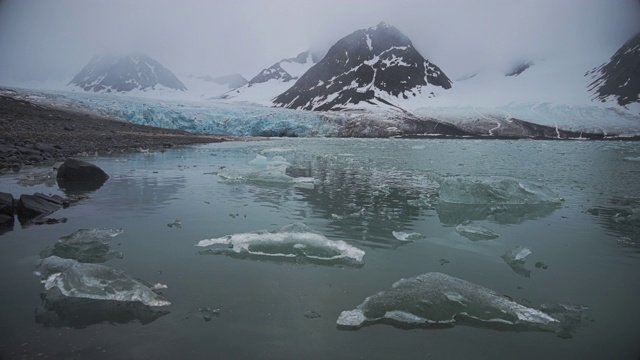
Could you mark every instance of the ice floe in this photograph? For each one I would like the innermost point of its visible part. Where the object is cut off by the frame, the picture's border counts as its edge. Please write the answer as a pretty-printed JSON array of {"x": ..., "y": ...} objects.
[
  {"x": 264, "y": 170},
  {"x": 404, "y": 236},
  {"x": 494, "y": 190},
  {"x": 294, "y": 242},
  {"x": 85, "y": 245},
  {"x": 516, "y": 259},
  {"x": 475, "y": 232},
  {"x": 436, "y": 300},
  {"x": 94, "y": 281}
]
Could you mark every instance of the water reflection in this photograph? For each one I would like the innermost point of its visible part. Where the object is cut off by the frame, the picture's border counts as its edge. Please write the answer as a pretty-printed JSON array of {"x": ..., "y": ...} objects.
[
  {"x": 622, "y": 219},
  {"x": 454, "y": 214}
]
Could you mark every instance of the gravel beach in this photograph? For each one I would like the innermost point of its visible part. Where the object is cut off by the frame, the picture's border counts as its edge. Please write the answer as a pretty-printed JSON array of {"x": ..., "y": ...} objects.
[{"x": 32, "y": 134}]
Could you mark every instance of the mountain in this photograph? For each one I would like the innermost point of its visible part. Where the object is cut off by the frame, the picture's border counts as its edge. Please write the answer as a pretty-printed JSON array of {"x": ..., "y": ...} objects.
[
  {"x": 232, "y": 81},
  {"x": 619, "y": 78},
  {"x": 287, "y": 69},
  {"x": 270, "y": 82},
  {"x": 108, "y": 73},
  {"x": 372, "y": 66}
]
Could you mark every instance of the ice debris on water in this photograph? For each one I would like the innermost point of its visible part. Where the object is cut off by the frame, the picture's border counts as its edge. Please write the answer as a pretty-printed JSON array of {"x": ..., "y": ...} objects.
[
  {"x": 177, "y": 224},
  {"x": 475, "y": 232},
  {"x": 516, "y": 259},
  {"x": 94, "y": 281},
  {"x": 494, "y": 190},
  {"x": 263, "y": 170},
  {"x": 295, "y": 242},
  {"x": 208, "y": 313},
  {"x": 436, "y": 299},
  {"x": 404, "y": 236},
  {"x": 85, "y": 245}
]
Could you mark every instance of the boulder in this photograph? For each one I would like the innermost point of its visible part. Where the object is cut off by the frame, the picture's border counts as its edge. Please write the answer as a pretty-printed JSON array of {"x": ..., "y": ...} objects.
[
  {"x": 37, "y": 205},
  {"x": 77, "y": 170},
  {"x": 76, "y": 175},
  {"x": 6, "y": 204}
]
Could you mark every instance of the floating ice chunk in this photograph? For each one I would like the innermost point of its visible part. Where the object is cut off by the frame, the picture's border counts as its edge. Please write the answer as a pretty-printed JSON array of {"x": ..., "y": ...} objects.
[
  {"x": 494, "y": 190},
  {"x": 85, "y": 245},
  {"x": 475, "y": 232},
  {"x": 93, "y": 281},
  {"x": 296, "y": 242},
  {"x": 262, "y": 162},
  {"x": 436, "y": 299},
  {"x": 629, "y": 158},
  {"x": 403, "y": 236},
  {"x": 516, "y": 259}
]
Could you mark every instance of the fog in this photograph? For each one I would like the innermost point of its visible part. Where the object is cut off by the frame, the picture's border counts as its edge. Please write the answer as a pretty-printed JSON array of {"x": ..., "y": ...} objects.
[{"x": 53, "y": 40}]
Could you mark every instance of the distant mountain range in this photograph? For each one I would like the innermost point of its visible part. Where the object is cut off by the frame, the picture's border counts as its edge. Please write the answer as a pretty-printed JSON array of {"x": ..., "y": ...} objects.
[
  {"x": 108, "y": 73},
  {"x": 378, "y": 68}
]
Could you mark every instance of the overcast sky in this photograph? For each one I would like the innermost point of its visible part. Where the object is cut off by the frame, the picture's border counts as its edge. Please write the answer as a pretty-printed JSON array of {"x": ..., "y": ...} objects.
[{"x": 56, "y": 38}]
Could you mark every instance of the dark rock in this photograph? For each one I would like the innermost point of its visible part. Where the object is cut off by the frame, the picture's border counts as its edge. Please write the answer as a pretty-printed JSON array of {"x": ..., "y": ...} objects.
[
  {"x": 36, "y": 205},
  {"x": 6, "y": 220},
  {"x": 75, "y": 175},
  {"x": 6, "y": 204},
  {"x": 50, "y": 221}
]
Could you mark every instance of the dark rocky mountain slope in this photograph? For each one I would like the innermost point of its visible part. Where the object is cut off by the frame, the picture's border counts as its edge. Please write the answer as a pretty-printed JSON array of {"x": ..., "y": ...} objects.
[{"x": 370, "y": 66}]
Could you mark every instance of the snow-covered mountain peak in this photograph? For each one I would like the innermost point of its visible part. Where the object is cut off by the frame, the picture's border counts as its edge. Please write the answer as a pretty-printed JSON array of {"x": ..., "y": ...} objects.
[
  {"x": 107, "y": 73},
  {"x": 370, "y": 67},
  {"x": 619, "y": 79}
]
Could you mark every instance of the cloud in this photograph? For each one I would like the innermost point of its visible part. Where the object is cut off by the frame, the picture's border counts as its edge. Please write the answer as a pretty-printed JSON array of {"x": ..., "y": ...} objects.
[{"x": 54, "y": 39}]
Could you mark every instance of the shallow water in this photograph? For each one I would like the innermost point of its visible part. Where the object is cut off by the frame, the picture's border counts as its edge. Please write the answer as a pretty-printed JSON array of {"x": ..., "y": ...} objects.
[{"x": 361, "y": 192}]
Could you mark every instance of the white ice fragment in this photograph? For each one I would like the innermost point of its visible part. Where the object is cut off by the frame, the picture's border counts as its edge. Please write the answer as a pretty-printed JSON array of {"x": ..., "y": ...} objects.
[
  {"x": 291, "y": 241},
  {"x": 351, "y": 318},
  {"x": 404, "y": 236}
]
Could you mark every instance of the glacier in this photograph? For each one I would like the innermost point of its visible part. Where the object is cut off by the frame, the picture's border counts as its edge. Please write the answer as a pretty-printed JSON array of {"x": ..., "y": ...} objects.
[{"x": 235, "y": 116}]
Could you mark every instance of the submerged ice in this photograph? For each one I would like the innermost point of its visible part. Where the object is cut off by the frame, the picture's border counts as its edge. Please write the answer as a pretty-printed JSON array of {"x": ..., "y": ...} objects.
[
  {"x": 475, "y": 232},
  {"x": 295, "y": 242},
  {"x": 264, "y": 170},
  {"x": 436, "y": 299},
  {"x": 85, "y": 245},
  {"x": 494, "y": 191},
  {"x": 93, "y": 281}
]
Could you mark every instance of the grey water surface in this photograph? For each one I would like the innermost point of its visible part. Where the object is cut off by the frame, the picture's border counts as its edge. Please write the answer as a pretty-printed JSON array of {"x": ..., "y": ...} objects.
[{"x": 301, "y": 230}]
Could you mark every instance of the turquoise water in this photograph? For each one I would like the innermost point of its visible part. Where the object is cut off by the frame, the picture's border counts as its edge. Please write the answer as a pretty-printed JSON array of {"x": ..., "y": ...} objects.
[{"x": 358, "y": 192}]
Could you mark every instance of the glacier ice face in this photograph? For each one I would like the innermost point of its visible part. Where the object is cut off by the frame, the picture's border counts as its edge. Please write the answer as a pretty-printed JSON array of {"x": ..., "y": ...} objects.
[
  {"x": 436, "y": 299},
  {"x": 475, "y": 232},
  {"x": 295, "y": 242},
  {"x": 85, "y": 245},
  {"x": 494, "y": 190},
  {"x": 93, "y": 281}
]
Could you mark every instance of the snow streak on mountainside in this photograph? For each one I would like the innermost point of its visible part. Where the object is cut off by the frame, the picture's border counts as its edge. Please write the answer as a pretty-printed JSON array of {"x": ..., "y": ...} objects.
[
  {"x": 287, "y": 69},
  {"x": 619, "y": 78},
  {"x": 372, "y": 66},
  {"x": 273, "y": 80},
  {"x": 107, "y": 73}
]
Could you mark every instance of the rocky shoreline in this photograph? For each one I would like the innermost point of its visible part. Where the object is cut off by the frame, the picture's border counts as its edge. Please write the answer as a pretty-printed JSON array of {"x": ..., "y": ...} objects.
[{"x": 33, "y": 134}]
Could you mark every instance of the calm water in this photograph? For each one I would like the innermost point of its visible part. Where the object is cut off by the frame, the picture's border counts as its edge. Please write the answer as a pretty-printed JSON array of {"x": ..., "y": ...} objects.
[{"x": 360, "y": 192}]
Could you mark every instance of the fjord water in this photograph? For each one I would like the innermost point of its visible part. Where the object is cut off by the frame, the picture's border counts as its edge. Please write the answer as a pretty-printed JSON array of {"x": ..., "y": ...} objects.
[{"x": 379, "y": 196}]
